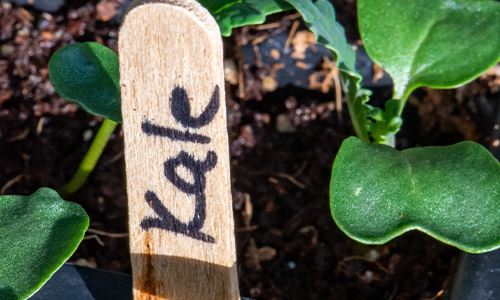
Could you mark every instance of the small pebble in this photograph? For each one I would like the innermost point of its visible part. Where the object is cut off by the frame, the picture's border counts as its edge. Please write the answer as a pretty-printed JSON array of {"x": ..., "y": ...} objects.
[
  {"x": 269, "y": 84},
  {"x": 6, "y": 49},
  {"x": 230, "y": 71},
  {"x": 372, "y": 255},
  {"x": 89, "y": 263},
  {"x": 267, "y": 253},
  {"x": 367, "y": 277},
  {"x": 87, "y": 135},
  {"x": 284, "y": 124}
]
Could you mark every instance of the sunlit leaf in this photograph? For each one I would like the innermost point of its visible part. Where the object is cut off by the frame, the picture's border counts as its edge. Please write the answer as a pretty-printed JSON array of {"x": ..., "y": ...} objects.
[
  {"x": 452, "y": 193},
  {"x": 231, "y": 14},
  {"x": 38, "y": 233},
  {"x": 88, "y": 74},
  {"x": 370, "y": 123},
  {"x": 438, "y": 43}
]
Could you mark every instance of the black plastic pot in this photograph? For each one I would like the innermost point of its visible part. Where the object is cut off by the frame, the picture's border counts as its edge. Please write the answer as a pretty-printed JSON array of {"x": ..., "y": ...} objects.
[
  {"x": 478, "y": 276},
  {"x": 77, "y": 283}
]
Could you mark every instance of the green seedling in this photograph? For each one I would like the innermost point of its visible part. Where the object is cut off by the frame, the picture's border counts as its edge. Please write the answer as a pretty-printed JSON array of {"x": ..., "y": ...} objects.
[
  {"x": 88, "y": 74},
  {"x": 451, "y": 193},
  {"x": 38, "y": 233}
]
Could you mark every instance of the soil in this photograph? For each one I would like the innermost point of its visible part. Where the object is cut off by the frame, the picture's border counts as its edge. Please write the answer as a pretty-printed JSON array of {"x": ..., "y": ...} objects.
[{"x": 282, "y": 139}]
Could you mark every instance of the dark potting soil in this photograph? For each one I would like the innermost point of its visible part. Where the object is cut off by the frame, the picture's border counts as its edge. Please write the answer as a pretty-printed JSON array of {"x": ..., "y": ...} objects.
[{"x": 282, "y": 140}]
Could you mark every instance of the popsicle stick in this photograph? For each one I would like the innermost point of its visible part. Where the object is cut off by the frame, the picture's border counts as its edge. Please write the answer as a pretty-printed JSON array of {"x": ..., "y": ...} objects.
[{"x": 176, "y": 150}]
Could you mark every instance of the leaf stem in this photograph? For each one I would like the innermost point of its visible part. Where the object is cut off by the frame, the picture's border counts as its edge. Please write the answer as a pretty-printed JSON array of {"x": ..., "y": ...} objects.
[
  {"x": 391, "y": 140},
  {"x": 355, "y": 122},
  {"x": 90, "y": 160}
]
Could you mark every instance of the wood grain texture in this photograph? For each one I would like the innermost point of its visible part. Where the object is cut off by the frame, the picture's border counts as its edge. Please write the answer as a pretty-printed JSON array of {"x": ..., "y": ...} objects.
[{"x": 176, "y": 149}]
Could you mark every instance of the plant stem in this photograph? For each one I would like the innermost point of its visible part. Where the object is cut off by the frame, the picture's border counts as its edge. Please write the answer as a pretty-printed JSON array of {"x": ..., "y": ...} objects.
[
  {"x": 355, "y": 122},
  {"x": 90, "y": 160},
  {"x": 391, "y": 140}
]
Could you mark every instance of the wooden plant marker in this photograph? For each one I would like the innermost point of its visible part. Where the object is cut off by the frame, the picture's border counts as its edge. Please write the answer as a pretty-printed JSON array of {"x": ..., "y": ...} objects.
[{"x": 176, "y": 150}]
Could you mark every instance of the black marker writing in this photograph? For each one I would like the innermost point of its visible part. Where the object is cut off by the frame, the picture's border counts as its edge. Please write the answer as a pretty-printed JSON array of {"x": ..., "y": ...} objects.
[
  {"x": 181, "y": 110},
  {"x": 173, "y": 134},
  {"x": 166, "y": 220}
]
